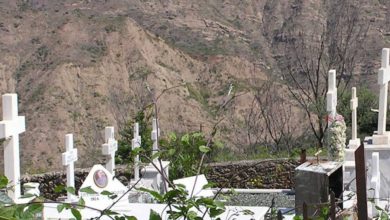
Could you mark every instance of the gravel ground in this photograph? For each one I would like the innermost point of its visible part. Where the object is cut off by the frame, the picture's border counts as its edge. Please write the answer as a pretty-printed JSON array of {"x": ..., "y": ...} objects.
[{"x": 282, "y": 200}]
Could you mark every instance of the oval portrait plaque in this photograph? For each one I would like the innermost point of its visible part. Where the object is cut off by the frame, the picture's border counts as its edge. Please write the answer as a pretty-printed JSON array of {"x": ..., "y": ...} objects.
[{"x": 100, "y": 178}]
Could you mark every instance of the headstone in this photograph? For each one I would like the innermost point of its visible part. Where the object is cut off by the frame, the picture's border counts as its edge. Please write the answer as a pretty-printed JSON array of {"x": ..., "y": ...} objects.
[
  {"x": 195, "y": 184},
  {"x": 315, "y": 181},
  {"x": 109, "y": 148},
  {"x": 331, "y": 95},
  {"x": 68, "y": 159},
  {"x": 99, "y": 179},
  {"x": 375, "y": 182},
  {"x": 136, "y": 143},
  {"x": 11, "y": 126},
  {"x": 383, "y": 78},
  {"x": 355, "y": 141}
]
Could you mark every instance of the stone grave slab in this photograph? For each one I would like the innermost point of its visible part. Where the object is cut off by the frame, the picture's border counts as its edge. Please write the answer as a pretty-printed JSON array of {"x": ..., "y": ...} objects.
[
  {"x": 100, "y": 179},
  {"x": 384, "y": 166},
  {"x": 189, "y": 183},
  {"x": 151, "y": 178},
  {"x": 141, "y": 211}
]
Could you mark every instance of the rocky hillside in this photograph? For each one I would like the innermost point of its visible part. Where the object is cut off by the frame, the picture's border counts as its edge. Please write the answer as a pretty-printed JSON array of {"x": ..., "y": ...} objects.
[{"x": 79, "y": 66}]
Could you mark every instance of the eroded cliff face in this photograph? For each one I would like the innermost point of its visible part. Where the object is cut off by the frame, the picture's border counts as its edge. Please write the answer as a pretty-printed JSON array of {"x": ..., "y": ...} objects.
[{"x": 79, "y": 66}]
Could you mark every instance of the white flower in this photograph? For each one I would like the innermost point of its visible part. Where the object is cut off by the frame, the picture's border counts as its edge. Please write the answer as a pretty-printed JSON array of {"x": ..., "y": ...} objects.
[{"x": 335, "y": 138}]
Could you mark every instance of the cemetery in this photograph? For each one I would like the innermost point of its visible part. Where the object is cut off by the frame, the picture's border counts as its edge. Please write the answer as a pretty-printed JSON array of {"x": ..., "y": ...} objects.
[{"x": 353, "y": 178}]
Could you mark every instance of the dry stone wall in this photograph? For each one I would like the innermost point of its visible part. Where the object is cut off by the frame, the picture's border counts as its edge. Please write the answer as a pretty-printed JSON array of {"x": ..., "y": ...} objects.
[{"x": 265, "y": 174}]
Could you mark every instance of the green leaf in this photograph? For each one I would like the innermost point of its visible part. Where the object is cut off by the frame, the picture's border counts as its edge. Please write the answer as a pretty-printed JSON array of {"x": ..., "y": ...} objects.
[
  {"x": 171, "y": 152},
  {"x": 155, "y": 194},
  {"x": 34, "y": 208},
  {"x": 71, "y": 190},
  {"x": 3, "y": 181},
  {"x": 154, "y": 215},
  {"x": 204, "y": 149},
  {"x": 59, "y": 189},
  {"x": 185, "y": 139},
  {"x": 156, "y": 155},
  {"x": 130, "y": 217},
  {"x": 88, "y": 190},
  {"x": 81, "y": 203},
  {"x": 61, "y": 207},
  {"x": 209, "y": 185},
  {"x": 106, "y": 193},
  {"x": 76, "y": 213}
]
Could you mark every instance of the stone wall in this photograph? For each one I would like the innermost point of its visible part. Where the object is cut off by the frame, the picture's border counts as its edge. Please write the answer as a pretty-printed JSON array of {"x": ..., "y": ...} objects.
[{"x": 265, "y": 174}]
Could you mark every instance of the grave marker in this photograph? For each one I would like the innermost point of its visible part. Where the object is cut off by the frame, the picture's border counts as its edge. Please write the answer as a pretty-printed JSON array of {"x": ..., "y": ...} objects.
[
  {"x": 375, "y": 182},
  {"x": 109, "y": 148},
  {"x": 361, "y": 192},
  {"x": 68, "y": 159},
  {"x": 136, "y": 143},
  {"x": 331, "y": 95},
  {"x": 11, "y": 126},
  {"x": 383, "y": 79},
  {"x": 355, "y": 141}
]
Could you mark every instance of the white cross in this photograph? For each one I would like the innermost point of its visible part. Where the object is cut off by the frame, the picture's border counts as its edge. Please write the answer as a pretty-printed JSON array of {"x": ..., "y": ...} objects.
[
  {"x": 331, "y": 95},
  {"x": 375, "y": 182},
  {"x": 109, "y": 149},
  {"x": 155, "y": 133},
  {"x": 11, "y": 126},
  {"x": 383, "y": 79},
  {"x": 136, "y": 142},
  {"x": 68, "y": 159},
  {"x": 354, "y": 105}
]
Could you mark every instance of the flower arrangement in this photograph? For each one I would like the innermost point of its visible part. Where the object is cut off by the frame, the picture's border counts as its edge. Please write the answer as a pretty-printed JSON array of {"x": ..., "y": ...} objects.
[{"x": 335, "y": 137}]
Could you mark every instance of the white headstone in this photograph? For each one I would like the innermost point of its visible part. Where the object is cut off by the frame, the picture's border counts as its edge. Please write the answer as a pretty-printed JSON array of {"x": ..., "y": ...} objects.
[
  {"x": 383, "y": 79},
  {"x": 331, "y": 95},
  {"x": 190, "y": 183},
  {"x": 136, "y": 143},
  {"x": 375, "y": 181},
  {"x": 100, "y": 179},
  {"x": 109, "y": 148},
  {"x": 354, "y": 142},
  {"x": 155, "y": 135},
  {"x": 11, "y": 126},
  {"x": 68, "y": 159}
]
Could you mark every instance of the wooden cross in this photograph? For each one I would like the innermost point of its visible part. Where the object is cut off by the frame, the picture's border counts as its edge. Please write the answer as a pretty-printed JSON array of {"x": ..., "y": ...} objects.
[
  {"x": 136, "y": 143},
  {"x": 383, "y": 79},
  {"x": 68, "y": 159},
  {"x": 11, "y": 126},
  {"x": 109, "y": 148}
]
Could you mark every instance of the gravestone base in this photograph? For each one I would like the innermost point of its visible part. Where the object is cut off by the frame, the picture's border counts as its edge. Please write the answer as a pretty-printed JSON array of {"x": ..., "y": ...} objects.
[
  {"x": 354, "y": 143},
  {"x": 384, "y": 166},
  {"x": 381, "y": 139}
]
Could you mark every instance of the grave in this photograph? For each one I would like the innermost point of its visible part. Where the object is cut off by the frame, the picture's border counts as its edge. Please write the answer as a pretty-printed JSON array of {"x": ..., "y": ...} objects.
[
  {"x": 314, "y": 182},
  {"x": 68, "y": 159},
  {"x": 109, "y": 148},
  {"x": 194, "y": 186},
  {"x": 99, "y": 179},
  {"x": 10, "y": 127},
  {"x": 380, "y": 142},
  {"x": 349, "y": 160}
]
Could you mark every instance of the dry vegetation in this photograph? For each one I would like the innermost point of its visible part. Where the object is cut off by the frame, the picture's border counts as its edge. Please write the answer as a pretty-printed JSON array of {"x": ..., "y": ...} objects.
[{"x": 81, "y": 65}]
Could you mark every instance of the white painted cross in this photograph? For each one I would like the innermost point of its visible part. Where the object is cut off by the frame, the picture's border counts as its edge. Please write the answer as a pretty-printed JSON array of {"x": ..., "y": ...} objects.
[
  {"x": 109, "y": 148},
  {"x": 136, "y": 142},
  {"x": 155, "y": 133},
  {"x": 375, "y": 182},
  {"x": 68, "y": 159},
  {"x": 383, "y": 79},
  {"x": 11, "y": 126},
  {"x": 331, "y": 95},
  {"x": 353, "y": 105}
]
